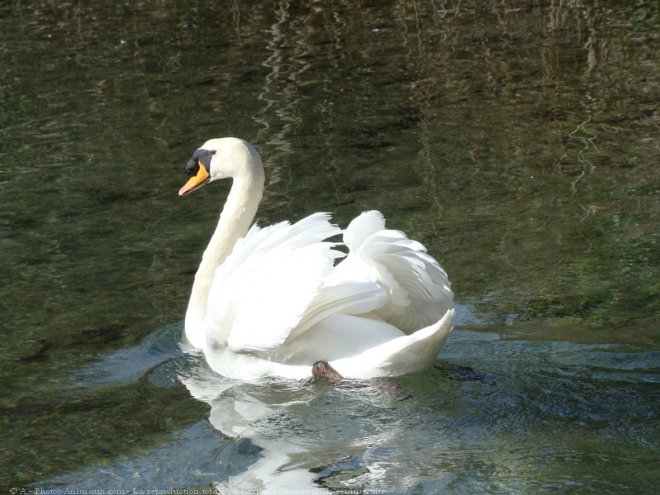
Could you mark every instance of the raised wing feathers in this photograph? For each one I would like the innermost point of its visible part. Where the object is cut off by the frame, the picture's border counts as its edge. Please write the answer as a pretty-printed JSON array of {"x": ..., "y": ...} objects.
[
  {"x": 419, "y": 292},
  {"x": 280, "y": 281},
  {"x": 263, "y": 289}
]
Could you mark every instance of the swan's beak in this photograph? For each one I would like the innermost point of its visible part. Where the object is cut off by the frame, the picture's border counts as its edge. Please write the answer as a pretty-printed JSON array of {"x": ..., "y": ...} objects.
[{"x": 196, "y": 181}]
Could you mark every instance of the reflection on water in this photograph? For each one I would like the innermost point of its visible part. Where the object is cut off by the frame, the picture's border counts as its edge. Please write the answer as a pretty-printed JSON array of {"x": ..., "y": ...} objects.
[
  {"x": 521, "y": 423},
  {"x": 253, "y": 418},
  {"x": 517, "y": 140}
]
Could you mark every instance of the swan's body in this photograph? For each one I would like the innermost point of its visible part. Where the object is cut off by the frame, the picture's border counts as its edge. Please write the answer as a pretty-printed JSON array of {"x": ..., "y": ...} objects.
[{"x": 272, "y": 302}]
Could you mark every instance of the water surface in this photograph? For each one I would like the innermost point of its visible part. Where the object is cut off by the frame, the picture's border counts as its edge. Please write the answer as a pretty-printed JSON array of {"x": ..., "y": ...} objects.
[{"x": 518, "y": 141}]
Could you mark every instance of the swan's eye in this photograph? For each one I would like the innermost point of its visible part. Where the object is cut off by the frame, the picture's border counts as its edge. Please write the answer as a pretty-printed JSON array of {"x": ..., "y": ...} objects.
[
  {"x": 192, "y": 167},
  {"x": 203, "y": 157}
]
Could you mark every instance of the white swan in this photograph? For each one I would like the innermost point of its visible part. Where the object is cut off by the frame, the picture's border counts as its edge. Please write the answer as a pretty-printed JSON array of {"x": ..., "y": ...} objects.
[{"x": 271, "y": 301}]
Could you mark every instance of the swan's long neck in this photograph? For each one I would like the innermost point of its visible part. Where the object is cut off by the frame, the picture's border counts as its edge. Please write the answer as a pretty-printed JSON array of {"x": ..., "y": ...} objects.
[{"x": 235, "y": 219}]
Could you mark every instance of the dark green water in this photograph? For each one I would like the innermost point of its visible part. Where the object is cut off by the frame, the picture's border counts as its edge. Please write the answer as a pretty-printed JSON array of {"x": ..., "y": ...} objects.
[{"x": 518, "y": 140}]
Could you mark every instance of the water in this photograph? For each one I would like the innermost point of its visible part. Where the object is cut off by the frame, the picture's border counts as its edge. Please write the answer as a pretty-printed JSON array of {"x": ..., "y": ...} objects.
[{"x": 518, "y": 141}]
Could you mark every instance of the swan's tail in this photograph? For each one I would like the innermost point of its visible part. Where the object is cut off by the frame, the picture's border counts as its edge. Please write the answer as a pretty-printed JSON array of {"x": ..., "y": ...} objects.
[{"x": 402, "y": 355}]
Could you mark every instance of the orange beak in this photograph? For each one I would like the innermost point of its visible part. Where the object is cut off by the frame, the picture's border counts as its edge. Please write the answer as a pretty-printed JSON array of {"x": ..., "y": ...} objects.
[{"x": 200, "y": 179}]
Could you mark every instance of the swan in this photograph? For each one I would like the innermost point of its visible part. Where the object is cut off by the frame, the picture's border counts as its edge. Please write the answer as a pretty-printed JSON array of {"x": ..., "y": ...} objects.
[{"x": 273, "y": 301}]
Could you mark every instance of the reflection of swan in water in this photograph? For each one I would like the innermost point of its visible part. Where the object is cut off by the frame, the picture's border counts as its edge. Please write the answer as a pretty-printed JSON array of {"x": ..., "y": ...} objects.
[
  {"x": 294, "y": 426},
  {"x": 238, "y": 414},
  {"x": 269, "y": 302}
]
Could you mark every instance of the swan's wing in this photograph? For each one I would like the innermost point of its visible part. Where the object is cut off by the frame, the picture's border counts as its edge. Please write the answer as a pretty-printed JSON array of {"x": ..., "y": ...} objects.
[
  {"x": 361, "y": 227},
  {"x": 263, "y": 289},
  {"x": 349, "y": 298},
  {"x": 419, "y": 292}
]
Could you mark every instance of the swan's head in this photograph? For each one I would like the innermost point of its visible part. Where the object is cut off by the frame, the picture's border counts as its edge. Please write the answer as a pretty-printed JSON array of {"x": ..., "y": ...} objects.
[{"x": 219, "y": 159}]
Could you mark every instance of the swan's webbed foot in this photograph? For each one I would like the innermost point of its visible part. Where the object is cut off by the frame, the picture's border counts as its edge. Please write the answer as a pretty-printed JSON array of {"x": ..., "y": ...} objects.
[{"x": 321, "y": 369}]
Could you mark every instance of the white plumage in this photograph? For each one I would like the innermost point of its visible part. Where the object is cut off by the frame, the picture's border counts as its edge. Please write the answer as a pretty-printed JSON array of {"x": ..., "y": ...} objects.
[{"x": 272, "y": 301}]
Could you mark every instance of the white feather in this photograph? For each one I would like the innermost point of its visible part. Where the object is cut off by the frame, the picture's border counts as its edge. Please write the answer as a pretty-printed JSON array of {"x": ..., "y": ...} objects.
[
  {"x": 263, "y": 289},
  {"x": 419, "y": 292}
]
